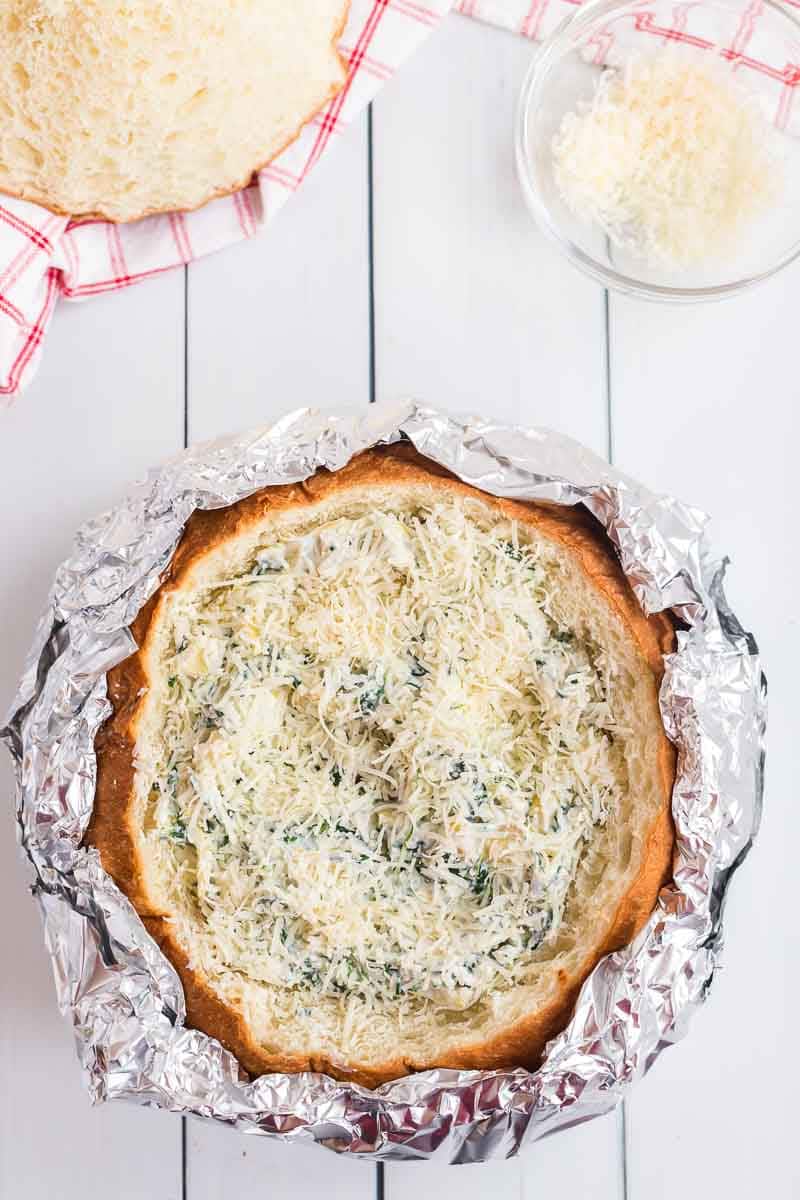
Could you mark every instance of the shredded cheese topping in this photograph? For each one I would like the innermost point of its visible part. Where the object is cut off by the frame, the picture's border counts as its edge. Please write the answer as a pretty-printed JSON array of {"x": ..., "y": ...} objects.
[
  {"x": 381, "y": 758},
  {"x": 672, "y": 158}
]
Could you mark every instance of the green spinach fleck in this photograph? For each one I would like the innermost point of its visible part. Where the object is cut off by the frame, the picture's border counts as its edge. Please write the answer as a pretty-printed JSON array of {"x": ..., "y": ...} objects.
[{"x": 371, "y": 696}]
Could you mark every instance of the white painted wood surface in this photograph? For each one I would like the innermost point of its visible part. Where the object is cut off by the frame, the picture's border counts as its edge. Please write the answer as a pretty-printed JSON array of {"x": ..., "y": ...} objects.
[
  {"x": 104, "y": 407},
  {"x": 284, "y": 320},
  {"x": 471, "y": 310},
  {"x": 294, "y": 329},
  {"x": 725, "y": 383}
]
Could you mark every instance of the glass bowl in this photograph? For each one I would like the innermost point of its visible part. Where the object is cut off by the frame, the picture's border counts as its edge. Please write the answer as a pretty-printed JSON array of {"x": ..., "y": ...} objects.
[{"x": 761, "y": 44}]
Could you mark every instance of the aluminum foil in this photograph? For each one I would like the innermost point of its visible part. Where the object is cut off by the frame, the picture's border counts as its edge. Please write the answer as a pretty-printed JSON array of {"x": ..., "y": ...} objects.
[{"x": 124, "y": 998}]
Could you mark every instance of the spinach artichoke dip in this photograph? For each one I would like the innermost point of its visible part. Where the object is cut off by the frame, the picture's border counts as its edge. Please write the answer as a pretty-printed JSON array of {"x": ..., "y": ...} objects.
[{"x": 387, "y": 775}]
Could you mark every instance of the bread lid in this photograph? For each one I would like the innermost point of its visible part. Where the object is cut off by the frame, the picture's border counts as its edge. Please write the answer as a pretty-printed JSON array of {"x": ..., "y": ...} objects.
[
  {"x": 495, "y": 690},
  {"x": 121, "y": 110}
]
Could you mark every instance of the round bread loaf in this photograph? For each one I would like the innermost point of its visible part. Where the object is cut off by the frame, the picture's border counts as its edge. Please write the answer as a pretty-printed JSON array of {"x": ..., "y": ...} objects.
[
  {"x": 119, "y": 110},
  {"x": 387, "y": 776}
]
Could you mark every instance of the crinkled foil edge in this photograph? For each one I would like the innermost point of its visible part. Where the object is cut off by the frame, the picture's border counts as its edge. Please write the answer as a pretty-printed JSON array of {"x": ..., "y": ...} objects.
[{"x": 124, "y": 998}]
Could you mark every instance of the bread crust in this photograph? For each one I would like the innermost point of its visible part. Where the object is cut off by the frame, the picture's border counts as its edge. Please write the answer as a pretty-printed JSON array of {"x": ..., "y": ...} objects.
[
  {"x": 112, "y": 834},
  {"x": 218, "y": 193}
]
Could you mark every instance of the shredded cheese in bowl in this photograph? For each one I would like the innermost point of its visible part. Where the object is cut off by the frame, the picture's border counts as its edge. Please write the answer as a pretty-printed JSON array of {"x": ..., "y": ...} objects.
[{"x": 672, "y": 158}]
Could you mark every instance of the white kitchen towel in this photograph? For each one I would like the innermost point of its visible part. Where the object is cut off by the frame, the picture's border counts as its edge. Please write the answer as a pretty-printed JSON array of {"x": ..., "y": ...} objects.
[{"x": 532, "y": 18}]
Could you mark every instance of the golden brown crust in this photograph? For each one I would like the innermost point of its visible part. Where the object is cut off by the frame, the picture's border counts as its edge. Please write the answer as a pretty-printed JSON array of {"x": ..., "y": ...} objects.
[
  {"x": 218, "y": 193},
  {"x": 521, "y": 1044}
]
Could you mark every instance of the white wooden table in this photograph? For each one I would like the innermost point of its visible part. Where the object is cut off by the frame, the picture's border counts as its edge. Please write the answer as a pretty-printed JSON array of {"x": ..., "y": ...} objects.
[{"x": 411, "y": 260}]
